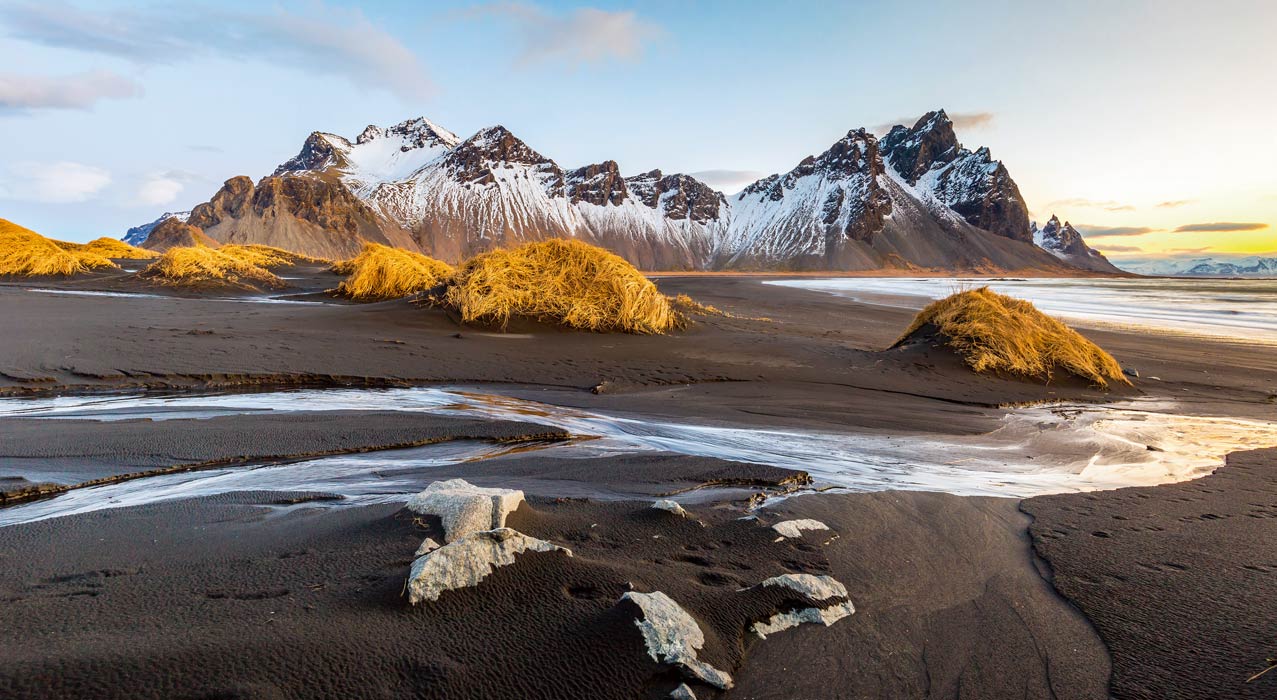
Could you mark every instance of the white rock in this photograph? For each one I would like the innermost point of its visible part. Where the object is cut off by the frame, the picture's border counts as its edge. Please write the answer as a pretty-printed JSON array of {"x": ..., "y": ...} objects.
[
  {"x": 814, "y": 587},
  {"x": 467, "y": 561},
  {"x": 682, "y": 692},
  {"x": 671, "y": 506},
  {"x": 673, "y": 637},
  {"x": 465, "y": 508},
  {"x": 794, "y": 528},
  {"x": 427, "y": 546}
]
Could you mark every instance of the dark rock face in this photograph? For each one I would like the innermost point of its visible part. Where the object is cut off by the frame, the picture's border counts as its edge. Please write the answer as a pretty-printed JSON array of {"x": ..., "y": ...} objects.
[
  {"x": 914, "y": 151},
  {"x": 316, "y": 154},
  {"x": 681, "y": 196},
  {"x": 974, "y": 185},
  {"x": 598, "y": 184},
  {"x": 229, "y": 202},
  {"x": 854, "y": 165},
  {"x": 473, "y": 160},
  {"x": 328, "y": 205}
]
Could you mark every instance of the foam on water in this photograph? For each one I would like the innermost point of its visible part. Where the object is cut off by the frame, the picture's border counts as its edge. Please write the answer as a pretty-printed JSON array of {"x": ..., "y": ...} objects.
[
  {"x": 1241, "y": 310},
  {"x": 1031, "y": 451}
]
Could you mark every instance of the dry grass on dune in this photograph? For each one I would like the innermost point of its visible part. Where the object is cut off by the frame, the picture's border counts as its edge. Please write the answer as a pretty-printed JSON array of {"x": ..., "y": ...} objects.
[
  {"x": 25, "y": 252},
  {"x": 381, "y": 272},
  {"x": 996, "y": 333},
  {"x": 560, "y": 281},
  {"x": 110, "y": 248},
  {"x": 691, "y": 306},
  {"x": 199, "y": 266},
  {"x": 267, "y": 256}
]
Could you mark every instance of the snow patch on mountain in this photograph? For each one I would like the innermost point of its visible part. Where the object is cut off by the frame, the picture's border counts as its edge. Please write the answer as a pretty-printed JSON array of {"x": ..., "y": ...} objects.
[{"x": 137, "y": 235}]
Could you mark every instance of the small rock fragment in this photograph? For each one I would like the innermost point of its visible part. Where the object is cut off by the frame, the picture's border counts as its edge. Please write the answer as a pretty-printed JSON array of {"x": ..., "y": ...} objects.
[
  {"x": 427, "y": 546},
  {"x": 673, "y": 637},
  {"x": 671, "y": 506},
  {"x": 814, "y": 587},
  {"x": 682, "y": 692},
  {"x": 465, "y": 508},
  {"x": 794, "y": 528},
  {"x": 467, "y": 561}
]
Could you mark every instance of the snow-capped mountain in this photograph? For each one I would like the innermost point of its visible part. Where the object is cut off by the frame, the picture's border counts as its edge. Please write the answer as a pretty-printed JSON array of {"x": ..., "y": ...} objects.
[
  {"x": 914, "y": 200},
  {"x": 1254, "y": 267},
  {"x": 1064, "y": 242},
  {"x": 137, "y": 235}
]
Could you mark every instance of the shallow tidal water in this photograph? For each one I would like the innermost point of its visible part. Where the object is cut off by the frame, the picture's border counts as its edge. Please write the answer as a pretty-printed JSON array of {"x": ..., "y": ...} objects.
[
  {"x": 1030, "y": 451},
  {"x": 1239, "y": 310}
]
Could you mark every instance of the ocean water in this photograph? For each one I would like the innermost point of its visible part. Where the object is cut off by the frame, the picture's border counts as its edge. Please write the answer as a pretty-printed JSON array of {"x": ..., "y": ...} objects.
[{"x": 1241, "y": 310}]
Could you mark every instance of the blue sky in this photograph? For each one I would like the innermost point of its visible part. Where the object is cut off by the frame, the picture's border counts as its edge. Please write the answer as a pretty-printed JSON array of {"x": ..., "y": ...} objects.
[{"x": 1133, "y": 119}]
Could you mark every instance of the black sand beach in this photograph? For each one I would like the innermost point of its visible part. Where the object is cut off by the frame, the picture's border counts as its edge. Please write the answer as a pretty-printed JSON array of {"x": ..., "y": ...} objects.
[{"x": 291, "y": 595}]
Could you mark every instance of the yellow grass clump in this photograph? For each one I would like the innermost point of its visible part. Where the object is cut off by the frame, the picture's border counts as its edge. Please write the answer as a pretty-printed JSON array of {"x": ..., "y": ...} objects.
[
  {"x": 25, "y": 252},
  {"x": 996, "y": 333},
  {"x": 691, "y": 306},
  {"x": 200, "y": 266},
  {"x": 267, "y": 256},
  {"x": 381, "y": 272},
  {"x": 560, "y": 281},
  {"x": 110, "y": 248}
]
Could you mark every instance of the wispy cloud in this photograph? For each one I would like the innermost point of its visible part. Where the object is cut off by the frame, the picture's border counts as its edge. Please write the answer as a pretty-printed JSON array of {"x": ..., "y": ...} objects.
[
  {"x": 1089, "y": 231},
  {"x": 329, "y": 40},
  {"x": 163, "y": 187},
  {"x": 1220, "y": 226},
  {"x": 21, "y": 93},
  {"x": 204, "y": 148},
  {"x": 1083, "y": 203},
  {"x": 727, "y": 180},
  {"x": 1105, "y": 248},
  {"x": 962, "y": 121},
  {"x": 1190, "y": 251},
  {"x": 1171, "y": 204},
  {"x": 62, "y": 182},
  {"x": 584, "y": 35}
]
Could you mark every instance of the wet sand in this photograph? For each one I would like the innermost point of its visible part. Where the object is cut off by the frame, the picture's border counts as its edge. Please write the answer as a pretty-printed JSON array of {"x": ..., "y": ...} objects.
[
  {"x": 42, "y": 456},
  {"x": 1180, "y": 579},
  {"x": 951, "y": 600}
]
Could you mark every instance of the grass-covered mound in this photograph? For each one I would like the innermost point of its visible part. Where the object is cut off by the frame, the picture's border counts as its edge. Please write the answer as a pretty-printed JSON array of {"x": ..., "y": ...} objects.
[
  {"x": 996, "y": 333},
  {"x": 267, "y": 256},
  {"x": 560, "y": 281},
  {"x": 381, "y": 272},
  {"x": 26, "y": 253},
  {"x": 200, "y": 266},
  {"x": 110, "y": 248}
]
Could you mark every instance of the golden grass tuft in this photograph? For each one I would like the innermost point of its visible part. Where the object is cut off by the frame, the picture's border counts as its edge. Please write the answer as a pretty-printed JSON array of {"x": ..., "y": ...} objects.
[
  {"x": 267, "y": 256},
  {"x": 560, "y": 281},
  {"x": 996, "y": 333},
  {"x": 691, "y": 306},
  {"x": 381, "y": 272},
  {"x": 25, "y": 252},
  {"x": 200, "y": 266},
  {"x": 110, "y": 248}
]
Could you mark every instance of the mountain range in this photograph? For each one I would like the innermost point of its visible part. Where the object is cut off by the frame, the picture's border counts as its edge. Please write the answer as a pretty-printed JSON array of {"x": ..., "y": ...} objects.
[
  {"x": 1253, "y": 267},
  {"x": 913, "y": 200}
]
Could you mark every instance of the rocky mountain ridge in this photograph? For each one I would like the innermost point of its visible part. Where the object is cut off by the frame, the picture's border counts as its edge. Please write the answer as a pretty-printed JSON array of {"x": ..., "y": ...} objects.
[{"x": 914, "y": 200}]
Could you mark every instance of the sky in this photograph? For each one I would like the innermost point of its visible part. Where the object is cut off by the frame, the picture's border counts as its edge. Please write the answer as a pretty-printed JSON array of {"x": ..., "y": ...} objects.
[{"x": 1148, "y": 125}]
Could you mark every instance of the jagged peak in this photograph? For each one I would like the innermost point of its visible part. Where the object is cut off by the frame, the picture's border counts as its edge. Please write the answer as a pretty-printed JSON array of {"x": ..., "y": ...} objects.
[
  {"x": 597, "y": 183},
  {"x": 914, "y": 150},
  {"x": 497, "y": 144},
  {"x": 418, "y": 132}
]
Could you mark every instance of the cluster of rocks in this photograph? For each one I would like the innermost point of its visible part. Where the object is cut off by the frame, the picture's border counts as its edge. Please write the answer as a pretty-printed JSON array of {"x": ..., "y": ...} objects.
[{"x": 477, "y": 542}]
